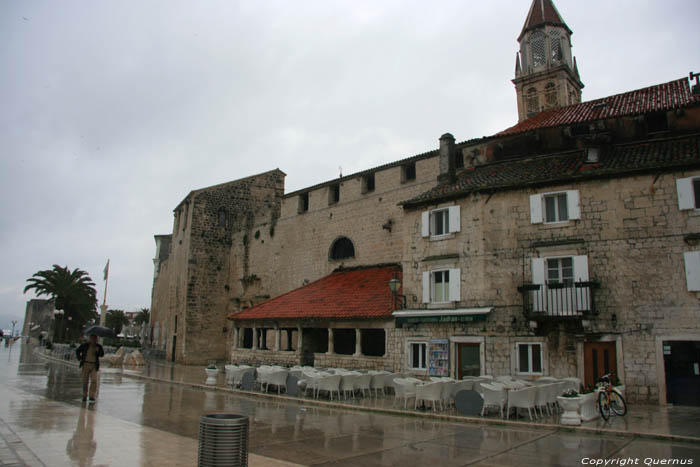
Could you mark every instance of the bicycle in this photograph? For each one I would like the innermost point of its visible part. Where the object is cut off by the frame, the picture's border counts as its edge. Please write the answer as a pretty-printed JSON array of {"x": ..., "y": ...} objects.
[{"x": 610, "y": 398}]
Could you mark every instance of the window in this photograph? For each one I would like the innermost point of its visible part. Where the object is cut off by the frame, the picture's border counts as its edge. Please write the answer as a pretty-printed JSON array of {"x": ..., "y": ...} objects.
[
  {"x": 560, "y": 270},
  {"x": 533, "y": 104},
  {"x": 441, "y": 286},
  {"x": 303, "y": 202},
  {"x": 368, "y": 183},
  {"x": 459, "y": 160},
  {"x": 555, "y": 207},
  {"x": 342, "y": 248},
  {"x": 555, "y": 45},
  {"x": 538, "y": 55},
  {"x": 550, "y": 95},
  {"x": 334, "y": 193},
  {"x": 440, "y": 222},
  {"x": 692, "y": 270},
  {"x": 222, "y": 217},
  {"x": 417, "y": 352},
  {"x": 529, "y": 358},
  {"x": 408, "y": 172},
  {"x": 688, "y": 193}
]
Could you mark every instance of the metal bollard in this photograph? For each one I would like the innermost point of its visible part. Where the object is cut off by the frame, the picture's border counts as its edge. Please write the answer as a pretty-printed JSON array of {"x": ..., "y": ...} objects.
[{"x": 223, "y": 440}]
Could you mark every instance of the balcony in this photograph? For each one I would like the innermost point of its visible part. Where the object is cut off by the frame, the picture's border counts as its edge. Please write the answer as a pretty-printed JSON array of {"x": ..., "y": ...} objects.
[{"x": 559, "y": 300}]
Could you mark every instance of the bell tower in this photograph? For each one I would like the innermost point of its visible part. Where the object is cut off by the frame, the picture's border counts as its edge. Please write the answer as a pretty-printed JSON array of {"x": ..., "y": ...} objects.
[{"x": 546, "y": 74}]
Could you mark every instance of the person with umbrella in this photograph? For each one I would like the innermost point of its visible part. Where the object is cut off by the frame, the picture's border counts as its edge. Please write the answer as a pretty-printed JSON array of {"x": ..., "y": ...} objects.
[{"x": 89, "y": 354}]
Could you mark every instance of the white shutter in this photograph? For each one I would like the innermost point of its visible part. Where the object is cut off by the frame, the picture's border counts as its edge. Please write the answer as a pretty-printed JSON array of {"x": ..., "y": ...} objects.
[
  {"x": 454, "y": 218},
  {"x": 455, "y": 285},
  {"x": 582, "y": 294},
  {"x": 538, "y": 296},
  {"x": 580, "y": 268},
  {"x": 536, "y": 209},
  {"x": 686, "y": 195},
  {"x": 573, "y": 204},
  {"x": 426, "y": 287},
  {"x": 425, "y": 224},
  {"x": 692, "y": 270}
]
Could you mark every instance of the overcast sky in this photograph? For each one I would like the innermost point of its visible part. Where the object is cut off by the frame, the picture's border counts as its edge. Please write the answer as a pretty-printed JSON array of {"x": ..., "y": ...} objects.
[{"x": 111, "y": 112}]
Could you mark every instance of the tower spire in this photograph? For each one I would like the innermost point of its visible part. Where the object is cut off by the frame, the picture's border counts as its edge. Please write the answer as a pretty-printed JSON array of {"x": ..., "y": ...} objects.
[{"x": 546, "y": 75}]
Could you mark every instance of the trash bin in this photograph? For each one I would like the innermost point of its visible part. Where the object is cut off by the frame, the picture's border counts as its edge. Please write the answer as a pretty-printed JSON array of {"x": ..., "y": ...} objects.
[{"x": 223, "y": 440}]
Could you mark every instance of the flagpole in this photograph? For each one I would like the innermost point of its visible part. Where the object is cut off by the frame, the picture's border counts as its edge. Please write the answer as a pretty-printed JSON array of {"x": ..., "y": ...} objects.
[{"x": 103, "y": 307}]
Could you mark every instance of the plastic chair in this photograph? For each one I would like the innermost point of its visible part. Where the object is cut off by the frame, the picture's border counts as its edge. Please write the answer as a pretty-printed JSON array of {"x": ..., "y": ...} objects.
[
  {"x": 279, "y": 379},
  {"x": 347, "y": 383},
  {"x": 430, "y": 392},
  {"x": 494, "y": 396},
  {"x": 362, "y": 383},
  {"x": 523, "y": 399},
  {"x": 330, "y": 384},
  {"x": 376, "y": 384},
  {"x": 404, "y": 390}
]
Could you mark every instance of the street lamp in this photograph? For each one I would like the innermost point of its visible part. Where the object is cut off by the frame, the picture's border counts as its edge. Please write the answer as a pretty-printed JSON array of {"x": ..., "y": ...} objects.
[{"x": 399, "y": 300}]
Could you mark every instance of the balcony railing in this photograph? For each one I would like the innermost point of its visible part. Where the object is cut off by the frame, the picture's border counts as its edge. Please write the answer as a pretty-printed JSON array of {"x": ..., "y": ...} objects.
[{"x": 559, "y": 299}]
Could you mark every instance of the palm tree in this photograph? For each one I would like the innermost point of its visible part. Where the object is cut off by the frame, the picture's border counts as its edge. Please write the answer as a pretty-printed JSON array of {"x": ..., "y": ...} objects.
[
  {"x": 116, "y": 320},
  {"x": 142, "y": 316},
  {"x": 70, "y": 291}
]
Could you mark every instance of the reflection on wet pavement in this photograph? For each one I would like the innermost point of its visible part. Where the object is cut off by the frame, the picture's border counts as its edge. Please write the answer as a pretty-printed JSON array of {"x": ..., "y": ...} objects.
[{"x": 142, "y": 422}]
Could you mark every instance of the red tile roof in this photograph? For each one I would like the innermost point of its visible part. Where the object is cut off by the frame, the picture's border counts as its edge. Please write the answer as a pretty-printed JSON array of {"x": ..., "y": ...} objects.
[
  {"x": 666, "y": 96},
  {"x": 542, "y": 12},
  {"x": 356, "y": 293}
]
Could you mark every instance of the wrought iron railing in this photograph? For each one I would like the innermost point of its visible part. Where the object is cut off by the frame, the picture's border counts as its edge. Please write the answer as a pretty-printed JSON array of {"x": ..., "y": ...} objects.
[{"x": 559, "y": 299}]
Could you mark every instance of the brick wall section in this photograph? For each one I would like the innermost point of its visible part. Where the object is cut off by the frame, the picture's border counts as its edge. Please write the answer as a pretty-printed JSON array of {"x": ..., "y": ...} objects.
[{"x": 632, "y": 232}]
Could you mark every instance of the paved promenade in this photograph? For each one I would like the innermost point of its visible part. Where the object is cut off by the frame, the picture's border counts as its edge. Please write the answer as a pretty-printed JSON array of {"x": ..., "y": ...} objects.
[{"x": 151, "y": 417}]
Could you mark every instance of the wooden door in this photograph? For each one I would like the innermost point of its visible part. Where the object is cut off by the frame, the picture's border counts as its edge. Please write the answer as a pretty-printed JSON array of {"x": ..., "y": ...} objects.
[
  {"x": 468, "y": 360},
  {"x": 600, "y": 358}
]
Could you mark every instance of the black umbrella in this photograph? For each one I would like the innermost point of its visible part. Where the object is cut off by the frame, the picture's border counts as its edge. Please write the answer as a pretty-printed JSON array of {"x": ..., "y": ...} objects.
[{"x": 99, "y": 331}]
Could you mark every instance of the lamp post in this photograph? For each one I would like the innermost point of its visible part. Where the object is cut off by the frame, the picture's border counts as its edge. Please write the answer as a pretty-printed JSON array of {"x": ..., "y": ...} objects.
[{"x": 394, "y": 286}]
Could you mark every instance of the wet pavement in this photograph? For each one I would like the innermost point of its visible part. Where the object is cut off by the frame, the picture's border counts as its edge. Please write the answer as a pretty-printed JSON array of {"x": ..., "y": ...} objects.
[{"x": 151, "y": 417}]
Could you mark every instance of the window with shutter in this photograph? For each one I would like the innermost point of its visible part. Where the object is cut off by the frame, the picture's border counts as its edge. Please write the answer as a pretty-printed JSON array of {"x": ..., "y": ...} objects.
[
  {"x": 440, "y": 222},
  {"x": 688, "y": 193},
  {"x": 692, "y": 270}
]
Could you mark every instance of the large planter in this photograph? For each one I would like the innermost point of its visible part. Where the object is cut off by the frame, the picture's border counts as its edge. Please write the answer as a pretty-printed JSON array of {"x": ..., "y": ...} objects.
[
  {"x": 212, "y": 373},
  {"x": 571, "y": 405},
  {"x": 589, "y": 408}
]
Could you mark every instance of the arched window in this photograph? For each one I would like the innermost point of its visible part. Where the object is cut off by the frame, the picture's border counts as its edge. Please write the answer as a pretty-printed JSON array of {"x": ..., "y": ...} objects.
[
  {"x": 550, "y": 95},
  {"x": 533, "y": 105},
  {"x": 342, "y": 248},
  {"x": 537, "y": 43},
  {"x": 222, "y": 217},
  {"x": 555, "y": 45}
]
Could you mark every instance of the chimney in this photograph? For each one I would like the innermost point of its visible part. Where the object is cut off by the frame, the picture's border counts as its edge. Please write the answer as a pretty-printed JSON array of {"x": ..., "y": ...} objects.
[{"x": 447, "y": 158}]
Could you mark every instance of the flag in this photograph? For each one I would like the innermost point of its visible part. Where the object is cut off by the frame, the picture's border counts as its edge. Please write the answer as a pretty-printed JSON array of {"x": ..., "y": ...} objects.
[{"x": 106, "y": 271}]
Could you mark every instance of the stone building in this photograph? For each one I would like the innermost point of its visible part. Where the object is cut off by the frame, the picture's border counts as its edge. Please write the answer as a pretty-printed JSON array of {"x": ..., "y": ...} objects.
[
  {"x": 566, "y": 245},
  {"x": 38, "y": 318}
]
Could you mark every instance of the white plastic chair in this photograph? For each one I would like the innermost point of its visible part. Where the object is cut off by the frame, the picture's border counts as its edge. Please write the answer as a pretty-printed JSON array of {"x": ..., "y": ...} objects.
[
  {"x": 429, "y": 392},
  {"x": 542, "y": 398},
  {"x": 404, "y": 390},
  {"x": 522, "y": 398},
  {"x": 347, "y": 383},
  {"x": 573, "y": 383},
  {"x": 330, "y": 384},
  {"x": 504, "y": 379},
  {"x": 279, "y": 379},
  {"x": 230, "y": 371},
  {"x": 494, "y": 396},
  {"x": 362, "y": 383},
  {"x": 376, "y": 384},
  {"x": 546, "y": 380}
]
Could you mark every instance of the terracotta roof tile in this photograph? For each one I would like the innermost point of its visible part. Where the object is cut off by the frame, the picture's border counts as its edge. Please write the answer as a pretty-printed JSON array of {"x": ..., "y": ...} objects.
[
  {"x": 666, "y": 96},
  {"x": 568, "y": 166},
  {"x": 356, "y": 293}
]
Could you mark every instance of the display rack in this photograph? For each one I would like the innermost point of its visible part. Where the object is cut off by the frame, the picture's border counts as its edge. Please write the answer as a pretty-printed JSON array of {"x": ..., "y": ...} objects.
[{"x": 439, "y": 357}]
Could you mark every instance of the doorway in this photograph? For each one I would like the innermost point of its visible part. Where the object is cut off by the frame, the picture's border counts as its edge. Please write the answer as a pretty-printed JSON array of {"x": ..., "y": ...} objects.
[
  {"x": 600, "y": 358},
  {"x": 682, "y": 371},
  {"x": 468, "y": 360}
]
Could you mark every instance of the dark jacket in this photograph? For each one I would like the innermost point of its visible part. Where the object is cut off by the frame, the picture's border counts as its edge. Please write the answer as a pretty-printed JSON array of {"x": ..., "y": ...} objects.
[{"x": 81, "y": 353}]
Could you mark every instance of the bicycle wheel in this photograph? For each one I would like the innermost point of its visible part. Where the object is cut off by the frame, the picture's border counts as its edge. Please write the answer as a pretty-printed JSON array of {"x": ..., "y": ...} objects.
[
  {"x": 617, "y": 403},
  {"x": 604, "y": 405}
]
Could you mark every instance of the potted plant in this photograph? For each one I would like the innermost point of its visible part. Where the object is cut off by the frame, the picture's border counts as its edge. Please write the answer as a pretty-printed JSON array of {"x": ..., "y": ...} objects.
[
  {"x": 570, "y": 401},
  {"x": 588, "y": 408}
]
